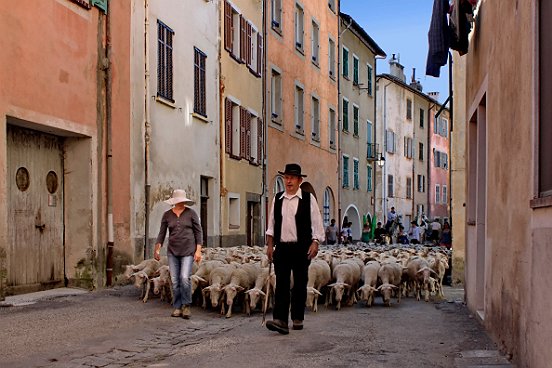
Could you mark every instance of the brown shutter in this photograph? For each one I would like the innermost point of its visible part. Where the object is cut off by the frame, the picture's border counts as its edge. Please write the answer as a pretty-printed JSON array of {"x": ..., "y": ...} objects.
[
  {"x": 249, "y": 43},
  {"x": 248, "y": 135},
  {"x": 228, "y": 126},
  {"x": 260, "y": 138},
  {"x": 259, "y": 54},
  {"x": 228, "y": 19},
  {"x": 242, "y": 132},
  {"x": 243, "y": 39}
]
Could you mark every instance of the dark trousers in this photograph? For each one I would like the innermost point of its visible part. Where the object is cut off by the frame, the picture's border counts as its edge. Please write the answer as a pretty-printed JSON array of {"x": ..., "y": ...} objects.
[{"x": 290, "y": 257}]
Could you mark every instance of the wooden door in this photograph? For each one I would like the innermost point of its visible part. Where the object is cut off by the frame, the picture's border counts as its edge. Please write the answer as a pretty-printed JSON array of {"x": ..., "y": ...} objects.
[{"x": 35, "y": 210}]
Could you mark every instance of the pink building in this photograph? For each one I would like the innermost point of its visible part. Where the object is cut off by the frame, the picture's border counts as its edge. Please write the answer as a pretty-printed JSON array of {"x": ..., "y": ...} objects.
[
  {"x": 63, "y": 99},
  {"x": 439, "y": 164}
]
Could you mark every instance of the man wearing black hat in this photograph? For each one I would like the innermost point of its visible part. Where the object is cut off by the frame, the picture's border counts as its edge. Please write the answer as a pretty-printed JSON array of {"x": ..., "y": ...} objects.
[{"x": 295, "y": 230}]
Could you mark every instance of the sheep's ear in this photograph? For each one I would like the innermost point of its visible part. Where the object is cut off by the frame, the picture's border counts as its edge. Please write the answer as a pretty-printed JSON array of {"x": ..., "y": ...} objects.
[
  {"x": 262, "y": 293},
  {"x": 240, "y": 288},
  {"x": 379, "y": 287},
  {"x": 331, "y": 285},
  {"x": 317, "y": 292}
]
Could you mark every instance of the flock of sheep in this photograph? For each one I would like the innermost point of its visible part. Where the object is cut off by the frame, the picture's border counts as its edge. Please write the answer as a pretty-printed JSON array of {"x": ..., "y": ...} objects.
[{"x": 357, "y": 273}]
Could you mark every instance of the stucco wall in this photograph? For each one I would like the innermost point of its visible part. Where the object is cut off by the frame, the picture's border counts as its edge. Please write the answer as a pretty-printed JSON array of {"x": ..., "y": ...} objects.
[
  {"x": 438, "y": 175},
  {"x": 501, "y": 68},
  {"x": 317, "y": 160},
  {"x": 181, "y": 147}
]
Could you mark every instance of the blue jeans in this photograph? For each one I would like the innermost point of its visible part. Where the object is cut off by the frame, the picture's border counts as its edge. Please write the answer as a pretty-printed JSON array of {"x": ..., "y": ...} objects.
[{"x": 181, "y": 272}]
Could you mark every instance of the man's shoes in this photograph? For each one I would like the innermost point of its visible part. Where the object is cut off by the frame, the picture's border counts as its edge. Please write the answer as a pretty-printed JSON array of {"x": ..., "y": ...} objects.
[
  {"x": 297, "y": 324},
  {"x": 186, "y": 312},
  {"x": 176, "y": 313},
  {"x": 278, "y": 326}
]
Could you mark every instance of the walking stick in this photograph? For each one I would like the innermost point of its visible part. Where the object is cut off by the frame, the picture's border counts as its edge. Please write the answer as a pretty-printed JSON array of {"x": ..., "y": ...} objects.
[{"x": 265, "y": 306}]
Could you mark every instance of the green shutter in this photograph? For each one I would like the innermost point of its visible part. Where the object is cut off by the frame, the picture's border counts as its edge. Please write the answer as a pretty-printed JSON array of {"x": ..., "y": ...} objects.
[{"x": 102, "y": 4}]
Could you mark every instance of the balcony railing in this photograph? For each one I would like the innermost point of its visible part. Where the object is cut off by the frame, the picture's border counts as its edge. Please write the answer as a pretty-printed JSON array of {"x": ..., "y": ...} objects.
[{"x": 372, "y": 151}]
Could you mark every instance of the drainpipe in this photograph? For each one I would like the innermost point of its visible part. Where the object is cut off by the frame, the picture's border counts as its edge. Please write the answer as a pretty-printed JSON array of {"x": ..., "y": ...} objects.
[
  {"x": 375, "y": 136},
  {"x": 384, "y": 169},
  {"x": 109, "y": 149},
  {"x": 264, "y": 150},
  {"x": 339, "y": 119},
  {"x": 222, "y": 151},
  {"x": 147, "y": 129}
]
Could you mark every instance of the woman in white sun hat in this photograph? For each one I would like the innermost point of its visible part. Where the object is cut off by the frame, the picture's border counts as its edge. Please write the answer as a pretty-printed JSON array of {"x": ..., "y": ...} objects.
[{"x": 185, "y": 240}]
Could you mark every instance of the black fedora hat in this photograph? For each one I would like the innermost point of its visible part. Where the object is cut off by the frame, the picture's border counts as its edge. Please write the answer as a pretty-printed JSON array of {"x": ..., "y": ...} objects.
[{"x": 292, "y": 169}]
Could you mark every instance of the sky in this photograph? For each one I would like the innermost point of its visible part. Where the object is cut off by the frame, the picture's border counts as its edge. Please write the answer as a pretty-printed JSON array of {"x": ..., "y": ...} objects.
[{"x": 400, "y": 27}]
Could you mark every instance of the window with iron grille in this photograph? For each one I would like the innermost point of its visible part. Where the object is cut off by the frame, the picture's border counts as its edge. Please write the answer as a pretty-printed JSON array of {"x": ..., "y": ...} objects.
[
  {"x": 200, "y": 99},
  {"x": 345, "y": 172},
  {"x": 390, "y": 186},
  {"x": 164, "y": 61},
  {"x": 356, "y": 180},
  {"x": 326, "y": 211}
]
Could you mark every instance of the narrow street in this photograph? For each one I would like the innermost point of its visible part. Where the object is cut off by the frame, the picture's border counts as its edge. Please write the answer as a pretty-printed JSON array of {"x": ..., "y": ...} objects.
[{"x": 111, "y": 328}]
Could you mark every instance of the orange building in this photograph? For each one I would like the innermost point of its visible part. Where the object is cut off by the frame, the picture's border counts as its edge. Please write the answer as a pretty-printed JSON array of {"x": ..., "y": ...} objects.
[
  {"x": 62, "y": 66},
  {"x": 301, "y": 99}
]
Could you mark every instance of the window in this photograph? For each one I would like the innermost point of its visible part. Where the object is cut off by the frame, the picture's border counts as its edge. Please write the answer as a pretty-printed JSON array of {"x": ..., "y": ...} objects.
[
  {"x": 164, "y": 61},
  {"x": 245, "y": 134},
  {"x": 299, "y": 27},
  {"x": 369, "y": 178},
  {"x": 200, "y": 99},
  {"x": 232, "y": 128},
  {"x": 409, "y": 188},
  {"x": 326, "y": 208},
  {"x": 356, "y": 181},
  {"x": 390, "y": 144},
  {"x": 440, "y": 126},
  {"x": 437, "y": 193},
  {"x": 422, "y": 117},
  {"x": 279, "y": 185},
  {"x": 331, "y": 56},
  {"x": 371, "y": 149},
  {"x": 345, "y": 115},
  {"x": 355, "y": 120},
  {"x": 315, "y": 42},
  {"x": 440, "y": 159},
  {"x": 276, "y": 9},
  {"x": 420, "y": 151},
  {"x": 233, "y": 211},
  {"x": 409, "y": 109},
  {"x": 421, "y": 183},
  {"x": 545, "y": 107},
  {"x": 276, "y": 96},
  {"x": 332, "y": 128},
  {"x": 235, "y": 32},
  {"x": 254, "y": 54},
  {"x": 444, "y": 190},
  {"x": 408, "y": 147},
  {"x": 390, "y": 186},
  {"x": 370, "y": 78},
  {"x": 345, "y": 63},
  {"x": 315, "y": 119},
  {"x": 345, "y": 172},
  {"x": 299, "y": 109},
  {"x": 355, "y": 70}
]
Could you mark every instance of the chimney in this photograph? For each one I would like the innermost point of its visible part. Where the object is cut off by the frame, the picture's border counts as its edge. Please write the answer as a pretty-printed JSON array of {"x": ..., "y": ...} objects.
[
  {"x": 414, "y": 83},
  {"x": 396, "y": 69},
  {"x": 434, "y": 95}
]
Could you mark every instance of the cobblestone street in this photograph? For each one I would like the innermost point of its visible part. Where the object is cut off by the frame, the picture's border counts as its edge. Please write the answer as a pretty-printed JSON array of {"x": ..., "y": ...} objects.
[{"x": 111, "y": 328}]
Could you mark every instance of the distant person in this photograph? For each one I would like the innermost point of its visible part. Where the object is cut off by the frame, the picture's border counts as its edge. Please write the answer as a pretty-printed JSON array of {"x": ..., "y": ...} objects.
[
  {"x": 435, "y": 230},
  {"x": 331, "y": 233},
  {"x": 346, "y": 233},
  {"x": 391, "y": 217},
  {"x": 402, "y": 238},
  {"x": 446, "y": 236},
  {"x": 415, "y": 233},
  {"x": 366, "y": 233},
  {"x": 378, "y": 233}
]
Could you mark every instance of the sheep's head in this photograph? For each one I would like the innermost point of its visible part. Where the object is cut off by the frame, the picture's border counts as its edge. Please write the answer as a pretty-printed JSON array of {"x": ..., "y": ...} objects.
[
  {"x": 254, "y": 296},
  {"x": 365, "y": 293},
  {"x": 312, "y": 295},
  {"x": 140, "y": 278},
  {"x": 231, "y": 291},
  {"x": 386, "y": 290},
  {"x": 339, "y": 289}
]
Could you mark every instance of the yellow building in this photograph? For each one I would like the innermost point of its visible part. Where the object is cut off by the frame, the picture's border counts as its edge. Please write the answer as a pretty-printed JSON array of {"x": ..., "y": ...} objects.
[{"x": 241, "y": 122}]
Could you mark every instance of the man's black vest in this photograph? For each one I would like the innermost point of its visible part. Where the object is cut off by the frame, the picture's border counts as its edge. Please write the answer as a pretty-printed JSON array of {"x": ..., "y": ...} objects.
[{"x": 302, "y": 219}]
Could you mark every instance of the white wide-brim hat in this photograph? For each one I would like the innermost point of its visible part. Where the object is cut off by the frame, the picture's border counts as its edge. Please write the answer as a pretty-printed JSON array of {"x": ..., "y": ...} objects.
[{"x": 178, "y": 196}]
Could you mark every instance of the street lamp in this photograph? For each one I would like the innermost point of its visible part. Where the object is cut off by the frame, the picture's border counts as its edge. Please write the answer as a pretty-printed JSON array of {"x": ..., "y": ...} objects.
[{"x": 380, "y": 161}]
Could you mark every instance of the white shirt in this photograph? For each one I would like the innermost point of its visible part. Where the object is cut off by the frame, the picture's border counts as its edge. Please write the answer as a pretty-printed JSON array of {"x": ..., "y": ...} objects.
[
  {"x": 289, "y": 209},
  {"x": 435, "y": 226},
  {"x": 416, "y": 233}
]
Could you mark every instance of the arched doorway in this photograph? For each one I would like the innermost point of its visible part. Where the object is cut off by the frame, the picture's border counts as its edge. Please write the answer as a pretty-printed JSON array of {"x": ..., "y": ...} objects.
[{"x": 353, "y": 216}]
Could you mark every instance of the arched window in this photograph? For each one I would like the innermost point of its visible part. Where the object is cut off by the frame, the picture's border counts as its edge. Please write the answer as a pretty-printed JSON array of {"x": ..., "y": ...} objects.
[
  {"x": 278, "y": 185},
  {"x": 326, "y": 210}
]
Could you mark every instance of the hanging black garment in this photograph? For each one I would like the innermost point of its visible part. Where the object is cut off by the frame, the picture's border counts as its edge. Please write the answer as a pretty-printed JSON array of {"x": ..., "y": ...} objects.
[{"x": 438, "y": 37}]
